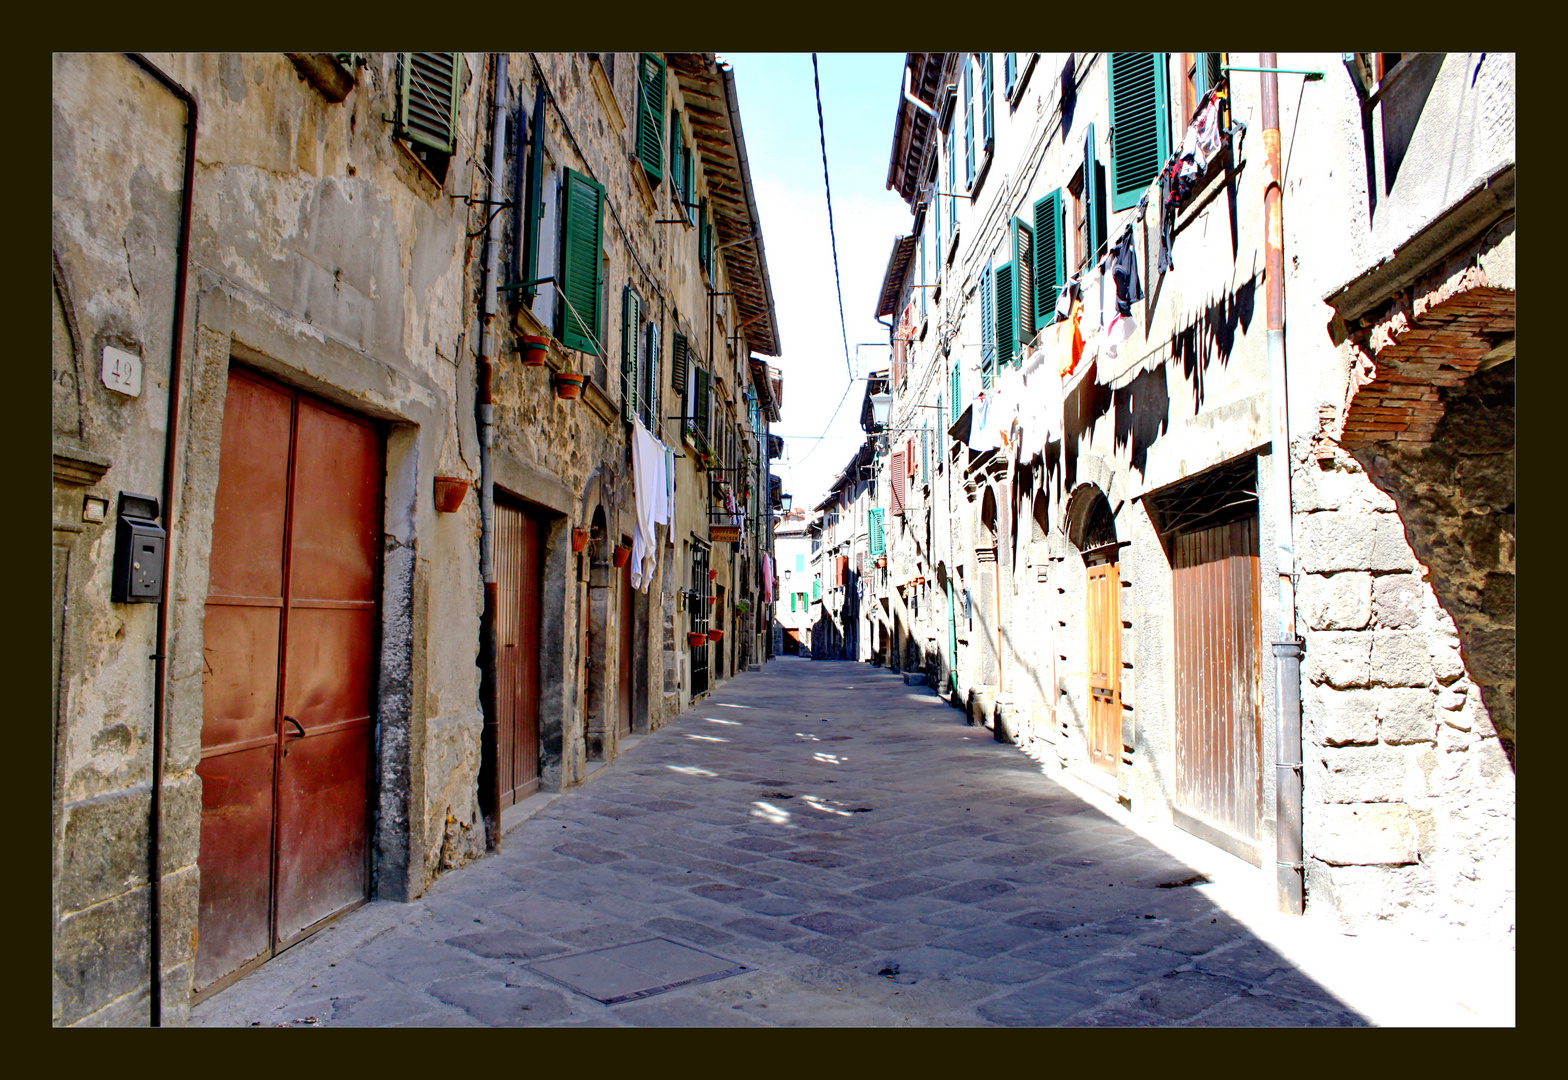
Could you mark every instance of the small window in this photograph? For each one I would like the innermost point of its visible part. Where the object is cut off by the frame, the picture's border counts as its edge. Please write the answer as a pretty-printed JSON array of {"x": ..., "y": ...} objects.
[
  {"x": 1202, "y": 73},
  {"x": 429, "y": 89}
]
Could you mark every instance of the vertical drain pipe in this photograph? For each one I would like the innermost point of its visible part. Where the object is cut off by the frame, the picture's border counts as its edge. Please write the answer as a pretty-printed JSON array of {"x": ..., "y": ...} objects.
[
  {"x": 489, "y": 800},
  {"x": 170, "y": 448},
  {"x": 1290, "y": 873}
]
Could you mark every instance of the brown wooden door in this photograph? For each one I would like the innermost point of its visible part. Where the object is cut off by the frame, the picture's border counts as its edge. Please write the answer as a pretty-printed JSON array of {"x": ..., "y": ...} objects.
[
  {"x": 519, "y": 566},
  {"x": 289, "y": 674},
  {"x": 1105, "y": 665},
  {"x": 1218, "y": 726},
  {"x": 623, "y": 686}
]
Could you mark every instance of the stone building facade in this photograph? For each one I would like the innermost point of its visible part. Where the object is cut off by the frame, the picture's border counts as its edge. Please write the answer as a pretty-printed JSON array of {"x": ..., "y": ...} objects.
[
  {"x": 314, "y": 256},
  {"x": 1114, "y": 558}
]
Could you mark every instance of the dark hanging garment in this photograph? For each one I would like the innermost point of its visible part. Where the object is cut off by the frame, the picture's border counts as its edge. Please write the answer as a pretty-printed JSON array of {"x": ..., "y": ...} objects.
[
  {"x": 1167, "y": 222},
  {"x": 1124, "y": 270}
]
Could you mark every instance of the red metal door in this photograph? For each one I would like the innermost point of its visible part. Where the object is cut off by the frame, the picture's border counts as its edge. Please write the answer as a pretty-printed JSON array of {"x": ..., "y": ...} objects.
[
  {"x": 519, "y": 566},
  {"x": 623, "y": 691},
  {"x": 1105, "y": 665},
  {"x": 289, "y": 646},
  {"x": 1218, "y": 727}
]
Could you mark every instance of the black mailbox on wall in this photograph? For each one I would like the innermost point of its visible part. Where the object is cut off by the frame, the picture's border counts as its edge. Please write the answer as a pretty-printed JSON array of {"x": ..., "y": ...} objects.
[{"x": 138, "y": 551}]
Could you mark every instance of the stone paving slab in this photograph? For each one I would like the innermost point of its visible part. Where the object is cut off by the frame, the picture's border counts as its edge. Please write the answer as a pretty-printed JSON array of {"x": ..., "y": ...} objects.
[{"x": 891, "y": 866}]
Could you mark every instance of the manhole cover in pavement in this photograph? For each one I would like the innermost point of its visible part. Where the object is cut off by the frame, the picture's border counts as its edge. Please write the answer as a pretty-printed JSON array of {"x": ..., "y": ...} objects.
[{"x": 641, "y": 969}]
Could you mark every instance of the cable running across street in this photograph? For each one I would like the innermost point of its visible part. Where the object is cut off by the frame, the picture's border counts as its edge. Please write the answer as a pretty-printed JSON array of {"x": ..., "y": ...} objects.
[{"x": 832, "y": 236}]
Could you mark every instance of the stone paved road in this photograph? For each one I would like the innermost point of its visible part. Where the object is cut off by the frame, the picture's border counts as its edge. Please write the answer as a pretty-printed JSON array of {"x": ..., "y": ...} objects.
[{"x": 870, "y": 859}]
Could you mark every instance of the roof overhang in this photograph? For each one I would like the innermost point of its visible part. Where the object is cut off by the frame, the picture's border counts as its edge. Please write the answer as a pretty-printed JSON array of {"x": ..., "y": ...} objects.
[
  {"x": 713, "y": 107},
  {"x": 762, "y": 377},
  {"x": 914, "y": 129},
  {"x": 893, "y": 276}
]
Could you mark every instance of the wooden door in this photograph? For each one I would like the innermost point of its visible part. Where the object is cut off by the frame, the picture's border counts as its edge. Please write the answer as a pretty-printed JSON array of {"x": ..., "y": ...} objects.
[
  {"x": 1105, "y": 665},
  {"x": 289, "y": 674},
  {"x": 623, "y": 688},
  {"x": 1218, "y": 726},
  {"x": 519, "y": 567}
]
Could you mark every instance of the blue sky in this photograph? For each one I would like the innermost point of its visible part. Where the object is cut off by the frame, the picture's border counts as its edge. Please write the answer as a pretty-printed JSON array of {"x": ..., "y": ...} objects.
[{"x": 860, "y": 95}]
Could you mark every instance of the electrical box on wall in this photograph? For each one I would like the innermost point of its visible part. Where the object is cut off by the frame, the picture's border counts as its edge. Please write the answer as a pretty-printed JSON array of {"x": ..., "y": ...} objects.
[{"x": 138, "y": 551}]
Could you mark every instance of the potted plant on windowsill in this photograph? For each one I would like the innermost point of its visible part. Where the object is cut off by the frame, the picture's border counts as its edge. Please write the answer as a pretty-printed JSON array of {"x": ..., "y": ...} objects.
[
  {"x": 715, "y": 635},
  {"x": 743, "y": 607},
  {"x": 696, "y": 638},
  {"x": 569, "y": 384},
  {"x": 535, "y": 347},
  {"x": 579, "y": 539},
  {"x": 622, "y": 554}
]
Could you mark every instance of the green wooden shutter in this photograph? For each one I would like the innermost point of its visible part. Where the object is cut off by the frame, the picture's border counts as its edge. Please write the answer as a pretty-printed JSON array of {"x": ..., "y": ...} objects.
[
  {"x": 925, "y": 455},
  {"x": 579, "y": 317},
  {"x": 874, "y": 523},
  {"x": 987, "y": 102},
  {"x": 969, "y": 125},
  {"x": 957, "y": 387},
  {"x": 987, "y": 329},
  {"x": 704, "y": 235},
  {"x": 1006, "y": 316},
  {"x": 629, "y": 327},
  {"x": 700, "y": 403},
  {"x": 816, "y": 589},
  {"x": 429, "y": 86},
  {"x": 1009, "y": 72},
  {"x": 1050, "y": 257},
  {"x": 1023, "y": 284},
  {"x": 677, "y": 173},
  {"x": 1140, "y": 123},
  {"x": 952, "y": 180},
  {"x": 533, "y": 200},
  {"x": 923, "y": 289},
  {"x": 679, "y": 354},
  {"x": 650, "y": 116},
  {"x": 1093, "y": 197},
  {"x": 1206, "y": 74},
  {"x": 651, "y": 393}
]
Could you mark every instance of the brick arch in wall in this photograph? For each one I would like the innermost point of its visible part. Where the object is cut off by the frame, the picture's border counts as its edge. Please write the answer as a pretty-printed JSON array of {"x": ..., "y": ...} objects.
[{"x": 1430, "y": 417}]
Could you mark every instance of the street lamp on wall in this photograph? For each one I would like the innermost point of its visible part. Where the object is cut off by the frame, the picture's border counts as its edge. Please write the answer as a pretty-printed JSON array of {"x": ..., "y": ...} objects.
[
  {"x": 881, "y": 405},
  {"x": 785, "y": 501}
]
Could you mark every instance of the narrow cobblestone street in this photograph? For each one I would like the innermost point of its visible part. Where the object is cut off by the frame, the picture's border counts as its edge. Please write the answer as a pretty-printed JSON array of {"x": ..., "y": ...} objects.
[{"x": 867, "y": 857}]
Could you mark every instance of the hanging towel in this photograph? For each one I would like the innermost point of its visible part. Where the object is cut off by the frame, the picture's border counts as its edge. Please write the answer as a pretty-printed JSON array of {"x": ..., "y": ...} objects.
[
  {"x": 1206, "y": 128},
  {"x": 647, "y": 490}
]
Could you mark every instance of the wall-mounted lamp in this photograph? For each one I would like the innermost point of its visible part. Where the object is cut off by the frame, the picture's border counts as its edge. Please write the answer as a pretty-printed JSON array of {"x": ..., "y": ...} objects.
[
  {"x": 785, "y": 502},
  {"x": 881, "y": 405}
]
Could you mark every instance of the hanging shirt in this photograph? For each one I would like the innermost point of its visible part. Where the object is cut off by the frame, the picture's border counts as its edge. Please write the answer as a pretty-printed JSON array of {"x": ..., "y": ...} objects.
[{"x": 647, "y": 491}]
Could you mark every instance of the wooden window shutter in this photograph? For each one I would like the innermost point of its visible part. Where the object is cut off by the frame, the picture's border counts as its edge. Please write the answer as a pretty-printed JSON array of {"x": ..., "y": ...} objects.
[
  {"x": 1023, "y": 285},
  {"x": 703, "y": 234},
  {"x": 631, "y": 305},
  {"x": 987, "y": 102},
  {"x": 987, "y": 329},
  {"x": 679, "y": 356},
  {"x": 896, "y": 481},
  {"x": 1050, "y": 257},
  {"x": 874, "y": 527},
  {"x": 957, "y": 389},
  {"x": 650, "y": 116},
  {"x": 952, "y": 179},
  {"x": 700, "y": 402},
  {"x": 1009, "y": 72},
  {"x": 1094, "y": 196},
  {"x": 909, "y": 455},
  {"x": 650, "y": 395},
  {"x": 843, "y": 570},
  {"x": 1206, "y": 74},
  {"x": 925, "y": 454},
  {"x": 531, "y": 204},
  {"x": 1140, "y": 123},
  {"x": 1006, "y": 317},
  {"x": 582, "y": 215},
  {"x": 677, "y": 173},
  {"x": 969, "y": 125},
  {"x": 429, "y": 88}
]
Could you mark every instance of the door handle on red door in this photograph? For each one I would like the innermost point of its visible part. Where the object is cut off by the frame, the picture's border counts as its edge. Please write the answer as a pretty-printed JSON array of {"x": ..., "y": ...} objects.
[{"x": 297, "y": 727}]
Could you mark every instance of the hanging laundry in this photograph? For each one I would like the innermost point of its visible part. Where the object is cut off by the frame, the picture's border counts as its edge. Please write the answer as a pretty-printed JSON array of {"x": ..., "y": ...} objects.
[
  {"x": 1206, "y": 127},
  {"x": 1124, "y": 271},
  {"x": 1068, "y": 346},
  {"x": 647, "y": 490},
  {"x": 767, "y": 579},
  {"x": 1167, "y": 223}
]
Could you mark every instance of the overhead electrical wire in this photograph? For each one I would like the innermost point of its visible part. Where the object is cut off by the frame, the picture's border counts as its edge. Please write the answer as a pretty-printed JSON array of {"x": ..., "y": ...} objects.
[{"x": 838, "y": 284}]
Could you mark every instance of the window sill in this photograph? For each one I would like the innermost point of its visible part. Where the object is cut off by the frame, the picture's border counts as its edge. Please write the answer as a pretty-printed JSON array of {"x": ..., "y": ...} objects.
[
  {"x": 606, "y": 94},
  {"x": 1017, "y": 95}
]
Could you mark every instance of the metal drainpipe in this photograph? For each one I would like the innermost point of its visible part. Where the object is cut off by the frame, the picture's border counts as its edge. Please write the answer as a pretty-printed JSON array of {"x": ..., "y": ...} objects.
[
  {"x": 486, "y": 411},
  {"x": 1290, "y": 885},
  {"x": 170, "y": 443}
]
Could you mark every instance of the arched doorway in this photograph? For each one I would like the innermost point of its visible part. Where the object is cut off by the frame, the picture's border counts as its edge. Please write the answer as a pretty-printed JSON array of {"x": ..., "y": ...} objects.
[{"x": 1092, "y": 529}]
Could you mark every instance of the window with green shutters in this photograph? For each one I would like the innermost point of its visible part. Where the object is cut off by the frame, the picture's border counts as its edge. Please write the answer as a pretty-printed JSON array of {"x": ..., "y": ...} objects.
[
  {"x": 680, "y": 355},
  {"x": 631, "y": 341},
  {"x": 579, "y": 318},
  {"x": 532, "y": 202},
  {"x": 957, "y": 387},
  {"x": 704, "y": 237},
  {"x": 800, "y": 563},
  {"x": 987, "y": 328},
  {"x": 969, "y": 124},
  {"x": 878, "y": 542},
  {"x": 1094, "y": 198},
  {"x": 1050, "y": 257},
  {"x": 1140, "y": 122},
  {"x": 923, "y": 289},
  {"x": 429, "y": 87},
  {"x": 792, "y": 598},
  {"x": 700, "y": 403},
  {"x": 650, "y": 116},
  {"x": 1023, "y": 287},
  {"x": 1009, "y": 72},
  {"x": 1006, "y": 316},
  {"x": 952, "y": 180},
  {"x": 987, "y": 105},
  {"x": 816, "y": 589},
  {"x": 677, "y": 164},
  {"x": 649, "y": 397}
]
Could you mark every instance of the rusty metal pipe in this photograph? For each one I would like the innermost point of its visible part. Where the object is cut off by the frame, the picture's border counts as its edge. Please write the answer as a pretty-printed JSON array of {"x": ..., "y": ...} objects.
[
  {"x": 1289, "y": 867},
  {"x": 170, "y": 445}
]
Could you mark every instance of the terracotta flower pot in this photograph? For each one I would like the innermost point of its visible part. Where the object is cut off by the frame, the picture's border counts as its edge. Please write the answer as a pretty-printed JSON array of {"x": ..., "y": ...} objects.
[
  {"x": 568, "y": 384},
  {"x": 695, "y": 639},
  {"x": 622, "y": 555},
  {"x": 881, "y": 562},
  {"x": 450, "y": 491},
  {"x": 713, "y": 575},
  {"x": 712, "y": 600},
  {"x": 715, "y": 635},
  {"x": 534, "y": 349},
  {"x": 579, "y": 539}
]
